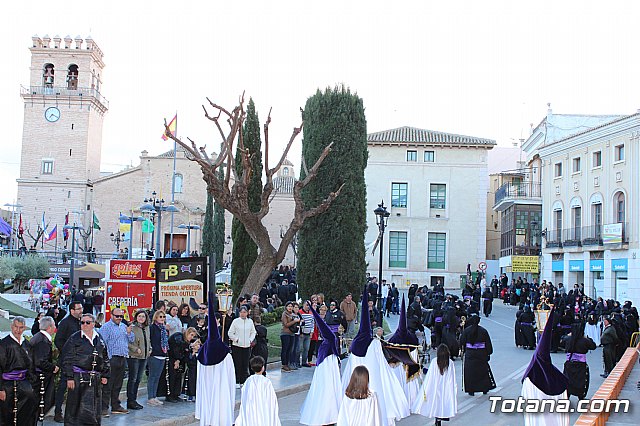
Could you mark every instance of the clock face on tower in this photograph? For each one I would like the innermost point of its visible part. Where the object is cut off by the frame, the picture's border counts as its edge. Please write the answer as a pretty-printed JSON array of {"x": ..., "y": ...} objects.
[{"x": 52, "y": 114}]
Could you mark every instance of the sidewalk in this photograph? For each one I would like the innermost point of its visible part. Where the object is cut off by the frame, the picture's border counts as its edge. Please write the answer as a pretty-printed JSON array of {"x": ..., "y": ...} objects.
[
  {"x": 182, "y": 413},
  {"x": 630, "y": 392}
]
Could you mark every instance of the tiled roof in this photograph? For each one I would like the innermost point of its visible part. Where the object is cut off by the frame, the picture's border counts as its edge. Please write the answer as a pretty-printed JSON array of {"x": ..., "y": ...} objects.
[
  {"x": 169, "y": 154},
  {"x": 284, "y": 184},
  {"x": 408, "y": 134}
]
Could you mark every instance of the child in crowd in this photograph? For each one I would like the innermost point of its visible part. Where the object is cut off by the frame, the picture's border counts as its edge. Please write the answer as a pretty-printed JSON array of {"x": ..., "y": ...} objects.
[
  {"x": 359, "y": 405},
  {"x": 258, "y": 403}
]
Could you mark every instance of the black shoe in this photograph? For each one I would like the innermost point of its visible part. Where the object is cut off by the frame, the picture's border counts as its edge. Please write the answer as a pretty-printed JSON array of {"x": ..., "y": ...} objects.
[
  {"x": 105, "y": 413},
  {"x": 58, "y": 418},
  {"x": 605, "y": 375},
  {"x": 134, "y": 406},
  {"x": 471, "y": 393},
  {"x": 119, "y": 410},
  {"x": 169, "y": 399}
]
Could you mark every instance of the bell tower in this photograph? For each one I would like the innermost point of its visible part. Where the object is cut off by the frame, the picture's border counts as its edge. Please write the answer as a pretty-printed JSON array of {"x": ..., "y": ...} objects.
[{"x": 62, "y": 132}]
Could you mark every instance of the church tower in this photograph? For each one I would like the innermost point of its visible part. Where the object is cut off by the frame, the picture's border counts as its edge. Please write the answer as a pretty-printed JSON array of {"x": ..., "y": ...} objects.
[{"x": 62, "y": 133}]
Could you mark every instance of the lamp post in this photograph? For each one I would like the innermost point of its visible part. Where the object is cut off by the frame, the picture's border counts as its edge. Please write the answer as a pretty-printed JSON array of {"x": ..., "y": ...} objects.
[
  {"x": 188, "y": 227},
  {"x": 131, "y": 219},
  {"x": 382, "y": 216},
  {"x": 73, "y": 249},
  {"x": 12, "y": 243},
  {"x": 116, "y": 239},
  {"x": 155, "y": 204}
]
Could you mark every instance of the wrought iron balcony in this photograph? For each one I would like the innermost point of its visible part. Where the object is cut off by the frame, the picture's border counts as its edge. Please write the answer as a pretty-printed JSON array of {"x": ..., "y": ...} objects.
[
  {"x": 586, "y": 236},
  {"x": 572, "y": 237},
  {"x": 554, "y": 238},
  {"x": 592, "y": 235},
  {"x": 512, "y": 193},
  {"x": 79, "y": 93}
]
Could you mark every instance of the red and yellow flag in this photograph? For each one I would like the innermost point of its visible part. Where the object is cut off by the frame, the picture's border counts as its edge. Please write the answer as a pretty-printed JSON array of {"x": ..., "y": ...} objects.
[{"x": 173, "y": 126}]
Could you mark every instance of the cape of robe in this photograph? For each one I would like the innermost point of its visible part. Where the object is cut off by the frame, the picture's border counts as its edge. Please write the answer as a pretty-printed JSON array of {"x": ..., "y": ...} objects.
[
  {"x": 438, "y": 393},
  {"x": 258, "y": 405},
  {"x": 530, "y": 391},
  {"x": 86, "y": 364},
  {"x": 360, "y": 412},
  {"x": 15, "y": 358},
  {"x": 322, "y": 404},
  {"x": 216, "y": 393}
]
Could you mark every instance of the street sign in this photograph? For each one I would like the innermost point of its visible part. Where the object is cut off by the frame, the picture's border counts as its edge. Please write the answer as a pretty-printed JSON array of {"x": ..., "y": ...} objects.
[{"x": 482, "y": 266}]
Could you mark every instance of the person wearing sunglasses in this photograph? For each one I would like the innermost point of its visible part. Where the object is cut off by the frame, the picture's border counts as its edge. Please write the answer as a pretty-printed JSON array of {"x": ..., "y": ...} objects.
[
  {"x": 86, "y": 370},
  {"x": 116, "y": 336}
]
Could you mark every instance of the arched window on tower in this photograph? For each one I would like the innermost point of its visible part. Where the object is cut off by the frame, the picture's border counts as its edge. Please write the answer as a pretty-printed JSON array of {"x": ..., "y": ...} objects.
[
  {"x": 48, "y": 75},
  {"x": 177, "y": 183},
  {"x": 285, "y": 171},
  {"x": 72, "y": 77}
]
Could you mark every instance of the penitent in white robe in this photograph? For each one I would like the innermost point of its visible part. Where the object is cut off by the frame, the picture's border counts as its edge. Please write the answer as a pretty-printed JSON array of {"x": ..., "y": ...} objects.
[
  {"x": 530, "y": 391},
  {"x": 437, "y": 396},
  {"x": 593, "y": 331},
  {"x": 322, "y": 404},
  {"x": 258, "y": 404},
  {"x": 360, "y": 412},
  {"x": 412, "y": 387},
  {"x": 216, "y": 393}
]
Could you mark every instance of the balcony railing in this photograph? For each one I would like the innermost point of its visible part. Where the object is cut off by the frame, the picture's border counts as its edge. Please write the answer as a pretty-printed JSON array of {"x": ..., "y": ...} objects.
[
  {"x": 522, "y": 190},
  {"x": 80, "y": 92},
  {"x": 583, "y": 236}
]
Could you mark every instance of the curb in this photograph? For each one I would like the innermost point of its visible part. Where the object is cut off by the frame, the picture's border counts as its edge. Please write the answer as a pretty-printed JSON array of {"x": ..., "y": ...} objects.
[{"x": 190, "y": 418}]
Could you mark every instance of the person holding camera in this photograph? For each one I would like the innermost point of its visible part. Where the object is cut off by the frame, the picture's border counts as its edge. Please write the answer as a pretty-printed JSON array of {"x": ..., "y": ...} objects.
[
  {"x": 178, "y": 354},
  {"x": 290, "y": 326}
]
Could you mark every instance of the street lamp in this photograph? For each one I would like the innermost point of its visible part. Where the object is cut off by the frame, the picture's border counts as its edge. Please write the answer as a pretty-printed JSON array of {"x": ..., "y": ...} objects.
[
  {"x": 73, "y": 249},
  {"x": 188, "y": 227},
  {"x": 131, "y": 219},
  {"x": 155, "y": 204},
  {"x": 116, "y": 239},
  {"x": 12, "y": 243},
  {"x": 382, "y": 216}
]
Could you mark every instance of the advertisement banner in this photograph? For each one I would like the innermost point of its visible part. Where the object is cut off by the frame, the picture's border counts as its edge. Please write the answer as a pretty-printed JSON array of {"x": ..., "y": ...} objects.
[
  {"x": 181, "y": 279},
  {"x": 528, "y": 264},
  {"x": 129, "y": 296},
  {"x": 612, "y": 233},
  {"x": 132, "y": 270}
]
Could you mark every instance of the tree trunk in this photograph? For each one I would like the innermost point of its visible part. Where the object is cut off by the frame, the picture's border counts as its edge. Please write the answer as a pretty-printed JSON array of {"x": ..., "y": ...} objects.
[{"x": 260, "y": 271}]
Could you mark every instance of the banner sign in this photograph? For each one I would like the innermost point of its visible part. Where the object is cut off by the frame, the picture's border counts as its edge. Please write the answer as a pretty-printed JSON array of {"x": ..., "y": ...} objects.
[
  {"x": 528, "y": 264},
  {"x": 181, "y": 279},
  {"x": 612, "y": 233},
  {"x": 132, "y": 269}
]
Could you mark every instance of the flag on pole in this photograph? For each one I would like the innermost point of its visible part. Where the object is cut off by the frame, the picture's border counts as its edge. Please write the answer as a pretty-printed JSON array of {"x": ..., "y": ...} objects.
[
  {"x": 20, "y": 227},
  {"x": 125, "y": 227},
  {"x": 52, "y": 235},
  {"x": 5, "y": 228},
  {"x": 65, "y": 232},
  {"x": 147, "y": 226},
  {"x": 44, "y": 224},
  {"x": 173, "y": 126},
  {"x": 96, "y": 222}
]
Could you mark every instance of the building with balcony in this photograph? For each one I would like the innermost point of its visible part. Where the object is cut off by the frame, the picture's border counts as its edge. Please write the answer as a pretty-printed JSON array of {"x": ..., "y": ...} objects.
[
  {"x": 590, "y": 210},
  {"x": 435, "y": 186}
]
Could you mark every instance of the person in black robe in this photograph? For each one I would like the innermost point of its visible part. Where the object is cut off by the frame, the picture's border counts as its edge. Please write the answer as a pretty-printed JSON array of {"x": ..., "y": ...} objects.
[
  {"x": 487, "y": 302},
  {"x": 260, "y": 348},
  {"x": 17, "y": 398},
  {"x": 575, "y": 367},
  {"x": 86, "y": 370},
  {"x": 475, "y": 343},
  {"x": 45, "y": 369},
  {"x": 527, "y": 328},
  {"x": 450, "y": 324},
  {"x": 609, "y": 342}
]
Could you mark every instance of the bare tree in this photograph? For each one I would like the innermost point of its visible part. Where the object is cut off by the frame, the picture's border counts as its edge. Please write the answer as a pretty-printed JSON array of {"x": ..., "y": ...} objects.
[{"x": 231, "y": 191}]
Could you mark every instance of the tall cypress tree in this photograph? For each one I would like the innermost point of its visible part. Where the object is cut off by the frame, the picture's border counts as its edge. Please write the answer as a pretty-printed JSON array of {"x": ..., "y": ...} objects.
[
  {"x": 207, "y": 228},
  {"x": 218, "y": 229},
  {"x": 331, "y": 252},
  {"x": 245, "y": 251}
]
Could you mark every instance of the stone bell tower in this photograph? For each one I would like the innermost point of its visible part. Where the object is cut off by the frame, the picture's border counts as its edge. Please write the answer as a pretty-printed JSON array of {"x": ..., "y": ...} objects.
[{"x": 62, "y": 132}]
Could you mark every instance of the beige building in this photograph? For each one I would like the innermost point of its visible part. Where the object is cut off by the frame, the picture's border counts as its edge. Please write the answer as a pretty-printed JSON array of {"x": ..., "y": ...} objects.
[
  {"x": 435, "y": 186},
  {"x": 61, "y": 154}
]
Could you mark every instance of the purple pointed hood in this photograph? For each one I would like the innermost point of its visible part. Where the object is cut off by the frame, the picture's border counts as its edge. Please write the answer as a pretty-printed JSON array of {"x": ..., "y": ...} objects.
[
  {"x": 403, "y": 336},
  {"x": 329, "y": 345},
  {"x": 214, "y": 349},
  {"x": 361, "y": 342},
  {"x": 541, "y": 371}
]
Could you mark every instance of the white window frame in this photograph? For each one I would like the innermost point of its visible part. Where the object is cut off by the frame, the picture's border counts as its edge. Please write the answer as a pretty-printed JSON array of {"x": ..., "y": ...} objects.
[
  {"x": 576, "y": 161},
  {"x": 593, "y": 160},
  {"x": 47, "y": 170},
  {"x": 414, "y": 156},
  {"x": 618, "y": 153},
  {"x": 433, "y": 157},
  {"x": 407, "y": 196},
  {"x": 557, "y": 167}
]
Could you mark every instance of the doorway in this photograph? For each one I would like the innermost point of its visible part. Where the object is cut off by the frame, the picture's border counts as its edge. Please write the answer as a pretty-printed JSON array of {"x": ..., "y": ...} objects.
[{"x": 179, "y": 242}]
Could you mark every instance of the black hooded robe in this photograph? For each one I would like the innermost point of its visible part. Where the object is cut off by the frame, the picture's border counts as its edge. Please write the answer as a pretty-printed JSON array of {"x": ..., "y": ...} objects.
[
  {"x": 477, "y": 375},
  {"x": 449, "y": 325},
  {"x": 84, "y": 401},
  {"x": 527, "y": 323},
  {"x": 17, "y": 358},
  {"x": 577, "y": 371},
  {"x": 487, "y": 302}
]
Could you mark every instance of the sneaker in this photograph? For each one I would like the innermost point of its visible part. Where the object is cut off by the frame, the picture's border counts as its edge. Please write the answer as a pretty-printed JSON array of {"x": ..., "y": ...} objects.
[
  {"x": 105, "y": 413},
  {"x": 238, "y": 385},
  {"x": 285, "y": 369},
  {"x": 192, "y": 399},
  {"x": 154, "y": 402},
  {"x": 119, "y": 410},
  {"x": 306, "y": 365}
]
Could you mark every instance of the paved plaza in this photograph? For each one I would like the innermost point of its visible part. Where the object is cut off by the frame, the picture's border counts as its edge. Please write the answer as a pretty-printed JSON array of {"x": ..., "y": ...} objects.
[{"x": 508, "y": 364}]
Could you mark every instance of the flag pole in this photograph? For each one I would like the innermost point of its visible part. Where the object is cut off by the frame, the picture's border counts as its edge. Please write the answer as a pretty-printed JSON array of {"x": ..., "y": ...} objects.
[
  {"x": 173, "y": 184},
  {"x": 93, "y": 221}
]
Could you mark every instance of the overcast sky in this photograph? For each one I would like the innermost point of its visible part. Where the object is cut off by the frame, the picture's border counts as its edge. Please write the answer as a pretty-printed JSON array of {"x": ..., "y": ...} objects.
[{"x": 480, "y": 68}]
